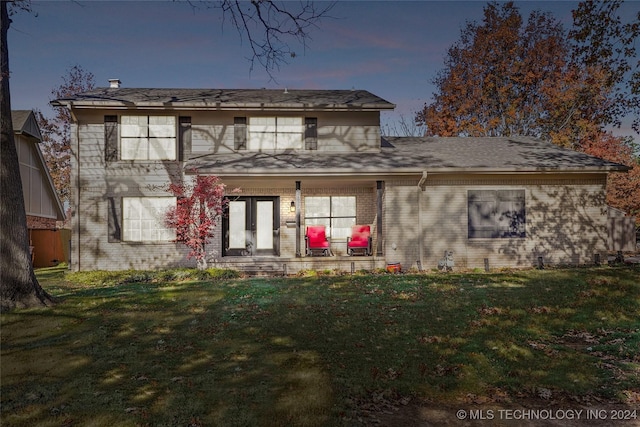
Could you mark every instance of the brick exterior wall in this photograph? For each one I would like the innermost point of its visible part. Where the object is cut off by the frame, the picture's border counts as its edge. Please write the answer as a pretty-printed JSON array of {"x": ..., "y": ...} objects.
[
  {"x": 40, "y": 223},
  {"x": 566, "y": 221}
]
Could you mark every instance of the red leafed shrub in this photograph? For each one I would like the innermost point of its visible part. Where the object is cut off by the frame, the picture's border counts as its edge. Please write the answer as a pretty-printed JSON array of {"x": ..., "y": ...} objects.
[{"x": 198, "y": 210}]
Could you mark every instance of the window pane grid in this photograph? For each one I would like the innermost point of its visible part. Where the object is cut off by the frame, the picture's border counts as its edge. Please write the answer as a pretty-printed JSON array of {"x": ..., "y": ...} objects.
[
  {"x": 337, "y": 213},
  {"x": 276, "y": 133},
  {"x": 148, "y": 137},
  {"x": 143, "y": 219}
]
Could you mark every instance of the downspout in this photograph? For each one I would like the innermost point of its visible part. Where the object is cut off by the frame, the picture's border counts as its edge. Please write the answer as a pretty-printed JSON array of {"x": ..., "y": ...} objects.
[
  {"x": 379, "y": 194},
  {"x": 421, "y": 187},
  {"x": 298, "y": 208}
]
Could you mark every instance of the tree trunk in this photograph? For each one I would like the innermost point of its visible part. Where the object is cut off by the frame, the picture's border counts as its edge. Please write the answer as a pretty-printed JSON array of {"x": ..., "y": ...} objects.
[{"x": 18, "y": 284}]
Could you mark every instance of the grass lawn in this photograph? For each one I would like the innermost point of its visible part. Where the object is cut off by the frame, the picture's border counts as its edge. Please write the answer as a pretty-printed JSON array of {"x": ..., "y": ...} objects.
[{"x": 130, "y": 349}]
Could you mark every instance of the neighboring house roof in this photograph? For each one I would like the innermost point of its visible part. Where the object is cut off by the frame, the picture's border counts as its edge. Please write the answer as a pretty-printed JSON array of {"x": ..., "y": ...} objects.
[
  {"x": 25, "y": 123},
  {"x": 411, "y": 155},
  {"x": 228, "y": 99}
]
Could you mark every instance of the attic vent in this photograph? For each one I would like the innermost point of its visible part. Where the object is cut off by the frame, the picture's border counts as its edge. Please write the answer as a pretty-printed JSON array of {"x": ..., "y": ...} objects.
[{"x": 114, "y": 83}]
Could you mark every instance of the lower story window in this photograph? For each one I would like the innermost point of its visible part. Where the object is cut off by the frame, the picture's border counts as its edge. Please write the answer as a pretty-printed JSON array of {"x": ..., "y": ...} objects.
[
  {"x": 496, "y": 214},
  {"x": 337, "y": 213},
  {"x": 143, "y": 219}
]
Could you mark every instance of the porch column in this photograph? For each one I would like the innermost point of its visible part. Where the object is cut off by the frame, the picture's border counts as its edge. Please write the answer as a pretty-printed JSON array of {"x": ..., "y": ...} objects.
[
  {"x": 298, "y": 208},
  {"x": 379, "y": 218}
]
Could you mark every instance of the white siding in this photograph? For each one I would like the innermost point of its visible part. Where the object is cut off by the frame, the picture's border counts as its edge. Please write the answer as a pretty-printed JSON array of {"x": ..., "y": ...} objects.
[{"x": 39, "y": 198}]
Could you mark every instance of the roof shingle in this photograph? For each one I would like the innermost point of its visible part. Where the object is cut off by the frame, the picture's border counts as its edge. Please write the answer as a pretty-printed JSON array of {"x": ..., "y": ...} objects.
[
  {"x": 229, "y": 99},
  {"x": 408, "y": 155}
]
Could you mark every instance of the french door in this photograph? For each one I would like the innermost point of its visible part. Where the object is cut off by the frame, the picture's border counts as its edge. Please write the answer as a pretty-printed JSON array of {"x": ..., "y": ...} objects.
[{"x": 252, "y": 227}]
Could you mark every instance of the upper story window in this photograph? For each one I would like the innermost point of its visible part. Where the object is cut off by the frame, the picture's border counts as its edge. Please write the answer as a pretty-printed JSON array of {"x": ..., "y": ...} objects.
[
  {"x": 148, "y": 138},
  {"x": 275, "y": 133}
]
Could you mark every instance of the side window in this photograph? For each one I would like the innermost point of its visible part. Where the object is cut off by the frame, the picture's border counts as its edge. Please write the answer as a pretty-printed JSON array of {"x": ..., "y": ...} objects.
[{"x": 496, "y": 214}]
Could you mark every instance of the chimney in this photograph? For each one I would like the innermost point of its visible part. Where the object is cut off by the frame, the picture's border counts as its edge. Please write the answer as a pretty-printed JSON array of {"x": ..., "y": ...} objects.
[{"x": 114, "y": 83}]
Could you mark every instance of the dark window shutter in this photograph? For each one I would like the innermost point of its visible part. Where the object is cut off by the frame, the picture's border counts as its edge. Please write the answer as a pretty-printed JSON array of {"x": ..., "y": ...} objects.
[
  {"x": 111, "y": 138},
  {"x": 239, "y": 133},
  {"x": 311, "y": 133},
  {"x": 184, "y": 138},
  {"x": 114, "y": 218}
]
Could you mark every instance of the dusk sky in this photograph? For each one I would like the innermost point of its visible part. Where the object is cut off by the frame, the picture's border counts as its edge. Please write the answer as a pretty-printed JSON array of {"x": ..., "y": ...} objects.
[{"x": 392, "y": 49}]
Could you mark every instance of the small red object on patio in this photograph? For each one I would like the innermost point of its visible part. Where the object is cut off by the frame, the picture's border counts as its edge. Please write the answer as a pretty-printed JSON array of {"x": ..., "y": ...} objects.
[{"x": 394, "y": 268}]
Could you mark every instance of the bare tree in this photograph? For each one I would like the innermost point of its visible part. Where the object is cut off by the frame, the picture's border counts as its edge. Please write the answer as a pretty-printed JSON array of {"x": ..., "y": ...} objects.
[
  {"x": 56, "y": 131},
  {"x": 271, "y": 27},
  {"x": 404, "y": 127}
]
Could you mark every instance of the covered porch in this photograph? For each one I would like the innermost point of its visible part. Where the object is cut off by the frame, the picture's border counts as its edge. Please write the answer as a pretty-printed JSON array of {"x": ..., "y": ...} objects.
[{"x": 265, "y": 227}]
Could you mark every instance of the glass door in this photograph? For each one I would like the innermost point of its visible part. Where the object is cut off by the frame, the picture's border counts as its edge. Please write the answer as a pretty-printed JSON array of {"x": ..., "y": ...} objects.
[{"x": 251, "y": 227}]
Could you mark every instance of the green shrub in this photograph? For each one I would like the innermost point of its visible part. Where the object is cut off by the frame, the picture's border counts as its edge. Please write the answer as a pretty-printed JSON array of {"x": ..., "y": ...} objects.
[
  {"x": 222, "y": 273},
  {"x": 115, "y": 278}
]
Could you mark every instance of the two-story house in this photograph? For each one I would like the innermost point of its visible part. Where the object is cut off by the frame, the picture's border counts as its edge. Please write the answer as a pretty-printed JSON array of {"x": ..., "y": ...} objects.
[{"x": 317, "y": 157}]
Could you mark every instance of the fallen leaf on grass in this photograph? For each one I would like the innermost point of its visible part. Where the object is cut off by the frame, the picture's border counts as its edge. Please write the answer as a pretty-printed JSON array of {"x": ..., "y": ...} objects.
[
  {"x": 632, "y": 396},
  {"x": 490, "y": 311}
]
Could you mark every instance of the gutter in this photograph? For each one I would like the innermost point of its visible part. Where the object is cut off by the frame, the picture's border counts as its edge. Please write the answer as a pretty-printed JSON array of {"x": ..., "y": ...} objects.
[
  {"x": 370, "y": 172},
  {"x": 218, "y": 107}
]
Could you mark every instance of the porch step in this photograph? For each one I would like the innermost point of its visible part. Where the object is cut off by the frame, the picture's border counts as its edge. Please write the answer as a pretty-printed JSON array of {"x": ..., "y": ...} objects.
[{"x": 267, "y": 270}]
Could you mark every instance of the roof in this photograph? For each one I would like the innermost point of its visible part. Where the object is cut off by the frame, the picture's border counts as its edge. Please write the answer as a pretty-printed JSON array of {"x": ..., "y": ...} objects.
[
  {"x": 24, "y": 122},
  {"x": 227, "y": 99},
  {"x": 408, "y": 156}
]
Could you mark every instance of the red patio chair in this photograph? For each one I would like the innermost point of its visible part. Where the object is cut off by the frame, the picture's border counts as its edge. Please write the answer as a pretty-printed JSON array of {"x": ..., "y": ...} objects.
[
  {"x": 316, "y": 241},
  {"x": 360, "y": 240}
]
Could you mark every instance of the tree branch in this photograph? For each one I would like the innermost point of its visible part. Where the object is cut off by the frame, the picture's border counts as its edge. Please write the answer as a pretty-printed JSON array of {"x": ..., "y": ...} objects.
[{"x": 271, "y": 27}]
